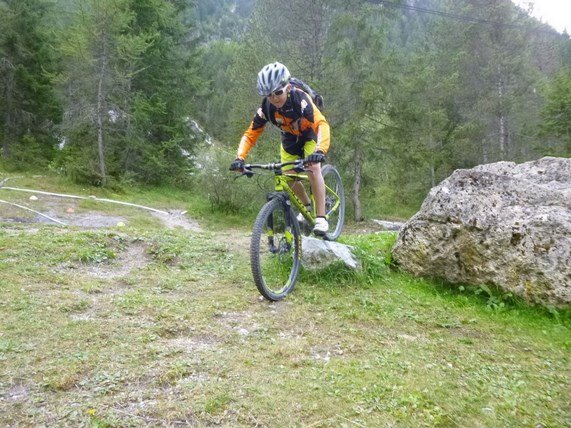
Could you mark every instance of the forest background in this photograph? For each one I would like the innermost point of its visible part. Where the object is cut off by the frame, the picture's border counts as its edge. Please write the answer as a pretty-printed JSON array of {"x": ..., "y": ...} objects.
[{"x": 122, "y": 93}]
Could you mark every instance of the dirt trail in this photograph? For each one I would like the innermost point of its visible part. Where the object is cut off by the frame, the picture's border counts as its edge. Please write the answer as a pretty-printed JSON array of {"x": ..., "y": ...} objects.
[{"x": 67, "y": 211}]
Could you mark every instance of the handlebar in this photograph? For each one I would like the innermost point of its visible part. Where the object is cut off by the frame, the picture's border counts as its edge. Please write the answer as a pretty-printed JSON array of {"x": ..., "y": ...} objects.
[
  {"x": 299, "y": 163},
  {"x": 276, "y": 167},
  {"x": 299, "y": 166}
]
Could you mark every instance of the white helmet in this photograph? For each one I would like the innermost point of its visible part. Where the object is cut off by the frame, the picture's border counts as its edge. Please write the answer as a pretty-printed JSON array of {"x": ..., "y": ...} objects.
[{"x": 272, "y": 77}]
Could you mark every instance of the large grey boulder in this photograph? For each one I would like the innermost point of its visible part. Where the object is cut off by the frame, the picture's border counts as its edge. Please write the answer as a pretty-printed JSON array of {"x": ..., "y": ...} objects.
[
  {"x": 318, "y": 254},
  {"x": 499, "y": 224}
]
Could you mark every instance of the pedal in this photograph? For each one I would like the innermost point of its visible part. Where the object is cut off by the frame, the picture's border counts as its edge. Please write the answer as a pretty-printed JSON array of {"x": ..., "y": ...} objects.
[{"x": 320, "y": 234}]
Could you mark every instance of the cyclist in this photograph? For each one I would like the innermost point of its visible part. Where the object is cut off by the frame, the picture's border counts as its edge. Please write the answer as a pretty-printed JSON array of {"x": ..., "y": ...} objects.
[{"x": 305, "y": 133}]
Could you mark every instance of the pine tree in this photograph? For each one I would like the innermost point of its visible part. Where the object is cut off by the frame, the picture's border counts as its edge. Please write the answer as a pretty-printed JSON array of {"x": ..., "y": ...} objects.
[
  {"x": 28, "y": 108},
  {"x": 127, "y": 86},
  {"x": 557, "y": 116},
  {"x": 357, "y": 68}
]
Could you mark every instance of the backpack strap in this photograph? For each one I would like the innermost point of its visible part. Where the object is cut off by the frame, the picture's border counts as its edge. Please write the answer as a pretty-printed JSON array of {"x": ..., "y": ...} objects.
[{"x": 296, "y": 106}]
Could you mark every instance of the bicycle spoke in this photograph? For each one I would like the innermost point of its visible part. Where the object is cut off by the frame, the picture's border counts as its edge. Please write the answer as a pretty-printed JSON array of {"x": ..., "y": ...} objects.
[
  {"x": 334, "y": 201},
  {"x": 275, "y": 251}
]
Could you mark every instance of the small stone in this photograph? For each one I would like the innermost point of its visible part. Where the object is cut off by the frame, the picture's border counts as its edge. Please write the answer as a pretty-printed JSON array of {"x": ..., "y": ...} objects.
[{"x": 318, "y": 254}]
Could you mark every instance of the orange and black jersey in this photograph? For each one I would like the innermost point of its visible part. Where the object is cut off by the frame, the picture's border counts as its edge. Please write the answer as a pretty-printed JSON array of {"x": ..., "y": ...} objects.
[{"x": 299, "y": 120}]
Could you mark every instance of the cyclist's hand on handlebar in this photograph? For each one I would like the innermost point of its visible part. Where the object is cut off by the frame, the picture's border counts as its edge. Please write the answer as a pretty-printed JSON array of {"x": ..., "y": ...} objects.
[
  {"x": 237, "y": 165},
  {"x": 316, "y": 157}
]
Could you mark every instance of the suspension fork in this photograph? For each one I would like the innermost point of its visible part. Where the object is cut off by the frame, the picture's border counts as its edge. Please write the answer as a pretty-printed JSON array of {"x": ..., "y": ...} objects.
[{"x": 285, "y": 202}]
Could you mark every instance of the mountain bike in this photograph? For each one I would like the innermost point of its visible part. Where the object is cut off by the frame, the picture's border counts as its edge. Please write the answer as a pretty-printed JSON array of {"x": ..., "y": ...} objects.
[{"x": 275, "y": 250}]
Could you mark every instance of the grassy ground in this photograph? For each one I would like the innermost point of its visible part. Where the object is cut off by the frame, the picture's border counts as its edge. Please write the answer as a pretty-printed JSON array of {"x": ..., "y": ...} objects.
[{"x": 146, "y": 326}]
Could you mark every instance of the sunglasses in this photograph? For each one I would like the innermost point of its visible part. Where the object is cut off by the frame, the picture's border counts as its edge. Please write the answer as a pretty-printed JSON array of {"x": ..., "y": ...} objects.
[{"x": 278, "y": 92}]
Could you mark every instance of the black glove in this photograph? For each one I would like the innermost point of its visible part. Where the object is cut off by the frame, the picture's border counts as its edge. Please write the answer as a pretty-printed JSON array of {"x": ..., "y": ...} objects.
[
  {"x": 237, "y": 165},
  {"x": 316, "y": 157}
]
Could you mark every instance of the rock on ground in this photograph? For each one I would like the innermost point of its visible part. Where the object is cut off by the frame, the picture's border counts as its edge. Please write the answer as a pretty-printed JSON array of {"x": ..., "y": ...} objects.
[
  {"x": 318, "y": 254},
  {"x": 499, "y": 224},
  {"x": 389, "y": 225}
]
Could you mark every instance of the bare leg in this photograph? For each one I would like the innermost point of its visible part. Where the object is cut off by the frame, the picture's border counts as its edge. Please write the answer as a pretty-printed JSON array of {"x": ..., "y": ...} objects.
[
  {"x": 300, "y": 192},
  {"x": 317, "y": 188}
]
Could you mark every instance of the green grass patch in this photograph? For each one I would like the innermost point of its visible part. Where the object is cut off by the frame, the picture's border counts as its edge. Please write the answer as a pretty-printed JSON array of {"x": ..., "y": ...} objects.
[{"x": 144, "y": 326}]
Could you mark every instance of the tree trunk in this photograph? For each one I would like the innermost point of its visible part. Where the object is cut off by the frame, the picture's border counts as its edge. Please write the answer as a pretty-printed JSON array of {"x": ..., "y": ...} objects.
[
  {"x": 504, "y": 137},
  {"x": 484, "y": 152},
  {"x": 100, "y": 114},
  {"x": 8, "y": 71},
  {"x": 432, "y": 147},
  {"x": 127, "y": 158},
  {"x": 358, "y": 162},
  {"x": 502, "y": 121}
]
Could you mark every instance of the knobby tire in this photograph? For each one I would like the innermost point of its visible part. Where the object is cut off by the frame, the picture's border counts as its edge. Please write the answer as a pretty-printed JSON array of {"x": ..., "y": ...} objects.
[{"x": 275, "y": 250}]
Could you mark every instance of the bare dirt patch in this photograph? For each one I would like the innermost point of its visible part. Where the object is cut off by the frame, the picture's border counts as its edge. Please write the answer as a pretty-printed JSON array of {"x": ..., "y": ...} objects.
[
  {"x": 191, "y": 345},
  {"x": 17, "y": 393},
  {"x": 177, "y": 218},
  {"x": 66, "y": 211},
  {"x": 133, "y": 257},
  {"x": 240, "y": 322}
]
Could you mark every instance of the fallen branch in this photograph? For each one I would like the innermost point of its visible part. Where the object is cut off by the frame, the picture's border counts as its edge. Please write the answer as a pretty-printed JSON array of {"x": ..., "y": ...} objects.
[
  {"x": 35, "y": 212},
  {"x": 61, "y": 195}
]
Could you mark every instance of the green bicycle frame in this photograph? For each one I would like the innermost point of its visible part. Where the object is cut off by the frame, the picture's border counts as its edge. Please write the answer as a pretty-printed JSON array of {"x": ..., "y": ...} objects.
[{"x": 282, "y": 185}]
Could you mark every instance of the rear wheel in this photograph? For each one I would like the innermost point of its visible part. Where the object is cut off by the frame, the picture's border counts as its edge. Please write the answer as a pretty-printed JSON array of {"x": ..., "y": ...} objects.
[
  {"x": 275, "y": 250},
  {"x": 334, "y": 201}
]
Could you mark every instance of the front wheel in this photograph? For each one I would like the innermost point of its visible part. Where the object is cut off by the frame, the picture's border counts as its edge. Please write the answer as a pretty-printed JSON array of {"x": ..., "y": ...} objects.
[
  {"x": 334, "y": 201},
  {"x": 275, "y": 250}
]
